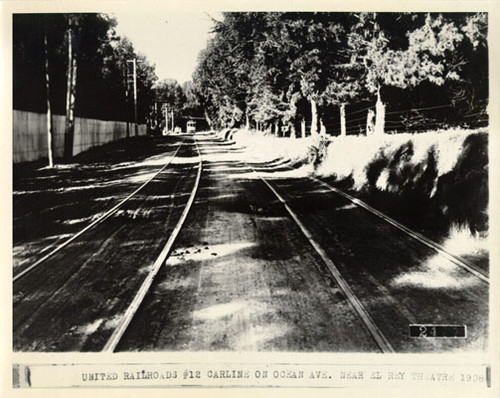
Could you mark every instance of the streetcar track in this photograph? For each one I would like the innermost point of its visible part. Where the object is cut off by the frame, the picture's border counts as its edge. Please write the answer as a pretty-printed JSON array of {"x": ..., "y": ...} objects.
[
  {"x": 145, "y": 288},
  {"x": 96, "y": 222},
  {"x": 28, "y": 318},
  {"x": 132, "y": 309},
  {"x": 379, "y": 338},
  {"x": 455, "y": 259},
  {"x": 383, "y": 344},
  {"x": 381, "y": 341},
  {"x": 25, "y": 318},
  {"x": 468, "y": 266}
]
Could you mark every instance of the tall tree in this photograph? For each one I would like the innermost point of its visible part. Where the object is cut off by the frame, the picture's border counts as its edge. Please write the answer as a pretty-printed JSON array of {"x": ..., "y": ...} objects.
[
  {"x": 269, "y": 66},
  {"x": 316, "y": 42},
  {"x": 422, "y": 60},
  {"x": 50, "y": 140},
  {"x": 72, "y": 21}
]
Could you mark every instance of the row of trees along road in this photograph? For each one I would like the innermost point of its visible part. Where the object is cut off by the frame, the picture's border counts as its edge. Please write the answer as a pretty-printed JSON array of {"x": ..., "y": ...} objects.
[
  {"x": 180, "y": 100},
  {"x": 76, "y": 65},
  {"x": 345, "y": 72}
]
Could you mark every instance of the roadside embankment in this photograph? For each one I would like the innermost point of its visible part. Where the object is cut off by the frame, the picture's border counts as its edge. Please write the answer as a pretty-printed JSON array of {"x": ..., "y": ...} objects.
[{"x": 434, "y": 182}]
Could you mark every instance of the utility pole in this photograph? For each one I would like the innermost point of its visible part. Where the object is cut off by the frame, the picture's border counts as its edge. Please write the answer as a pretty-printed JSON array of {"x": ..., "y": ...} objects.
[
  {"x": 135, "y": 97},
  {"x": 70, "y": 89},
  {"x": 134, "y": 65},
  {"x": 127, "y": 102},
  {"x": 47, "y": 86},
  {"x": 166, "y": 109}
]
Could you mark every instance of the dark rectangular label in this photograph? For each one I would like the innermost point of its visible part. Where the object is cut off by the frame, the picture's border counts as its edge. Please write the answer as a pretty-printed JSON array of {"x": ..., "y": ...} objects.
[{"x": 458, "y": 331}]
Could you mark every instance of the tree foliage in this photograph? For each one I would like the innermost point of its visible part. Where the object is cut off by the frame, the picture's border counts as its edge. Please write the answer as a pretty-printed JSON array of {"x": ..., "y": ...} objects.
[
  {"x": 101, "y": 56},
  {"x": 267, "y": 67}
]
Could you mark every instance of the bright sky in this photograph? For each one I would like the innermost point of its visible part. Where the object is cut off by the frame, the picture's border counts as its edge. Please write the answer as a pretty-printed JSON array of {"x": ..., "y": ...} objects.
[{"x": 170, "y": 40}]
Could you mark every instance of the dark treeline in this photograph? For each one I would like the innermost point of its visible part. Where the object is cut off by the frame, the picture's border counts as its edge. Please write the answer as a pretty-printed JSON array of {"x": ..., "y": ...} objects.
[
  {"x": 100, "y": 58},
  {"x": 345, "y": 73},
  {"x": 103, "y": 86}
]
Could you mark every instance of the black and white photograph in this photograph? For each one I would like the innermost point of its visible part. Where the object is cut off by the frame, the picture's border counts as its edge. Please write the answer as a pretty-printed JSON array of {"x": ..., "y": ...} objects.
[{"x": 295, "y": 182}]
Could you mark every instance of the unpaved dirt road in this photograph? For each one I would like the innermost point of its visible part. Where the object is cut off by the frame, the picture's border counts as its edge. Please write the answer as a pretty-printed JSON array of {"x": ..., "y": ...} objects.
[
  {"x": 242, "y": 275},
  {"x": 73, "y": 300}
]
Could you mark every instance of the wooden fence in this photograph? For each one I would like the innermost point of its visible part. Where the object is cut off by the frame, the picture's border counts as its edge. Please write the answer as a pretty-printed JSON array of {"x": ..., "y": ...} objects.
[{"x": 30, "y": 134}]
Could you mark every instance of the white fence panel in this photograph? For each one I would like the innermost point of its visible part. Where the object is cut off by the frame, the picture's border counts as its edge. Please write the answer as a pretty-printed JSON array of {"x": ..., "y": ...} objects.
[{"x": 30, "y": 134}]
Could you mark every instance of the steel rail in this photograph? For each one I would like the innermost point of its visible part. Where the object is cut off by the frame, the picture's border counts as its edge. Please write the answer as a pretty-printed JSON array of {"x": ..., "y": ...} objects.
[
  {"x": 461, "y": 262},
  {"x": 468, "y": 266},
  {"x": 377, "y": 335},
  {"x": 132, "y": 309},
  {"x": 105, "y": 216}
]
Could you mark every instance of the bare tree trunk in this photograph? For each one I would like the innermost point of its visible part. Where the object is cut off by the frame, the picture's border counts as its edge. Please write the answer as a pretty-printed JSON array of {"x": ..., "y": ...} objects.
[
  {"x": 207, "y": 118},
  {"x": 314, "y": 118},
  {"x": 136, "y": 122},
  {"x": 303, "y": 128},
  {"x": 322, "y": 127},
  {"x": 70, "y": 92},
  {"x": 370, "y": 124},
  {"x": 168, "y": 127},
  {"x": 380, "y": 115},
  {"x": 247, "y": 120},
  {"x": 127, "y": 102},
  {"x": 342, "y": 120},
  {"x": 49, "y": 111}
]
